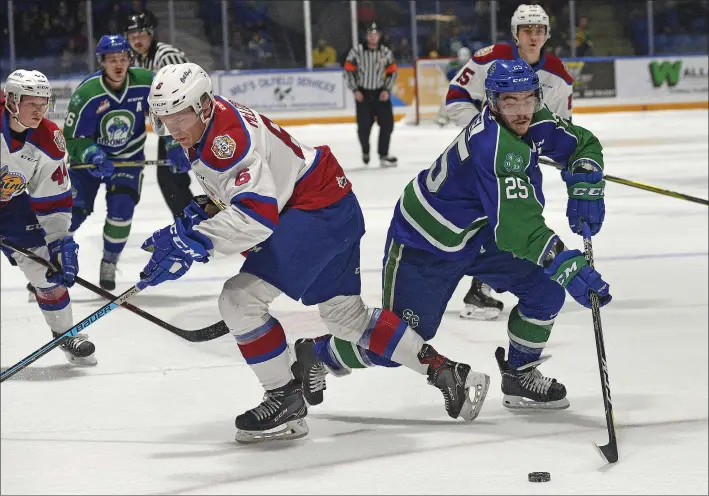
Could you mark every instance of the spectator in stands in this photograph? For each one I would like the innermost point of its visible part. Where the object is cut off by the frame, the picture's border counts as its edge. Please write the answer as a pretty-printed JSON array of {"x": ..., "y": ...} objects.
[
  {"x": 583, "y": 41},
  {"x": 34, "y": 27},
  {"x": 260, "y": 50},
  {"x": 324, "y": 55},
  {"x": 116, "y": 18},
  {"x": 403, "y": 52},
  {"x": 63, "y": 23}
]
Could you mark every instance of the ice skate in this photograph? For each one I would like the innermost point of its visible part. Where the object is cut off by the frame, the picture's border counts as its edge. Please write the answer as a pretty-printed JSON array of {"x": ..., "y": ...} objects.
[
  {"x": 32, "y": 296},
  {"x": 281, "y": 416},
  {"x": 526, "y": 388},
  {"x": 456, "y": 381},
  {"x": 310, "y": 371},
  {"x": 479, "y": 305},
  {"x": 78, "y": 350},
  {"x": 107, "y": 276},
  {"x": 365, "y": 158},
  {"x": 388, "y": 161}
]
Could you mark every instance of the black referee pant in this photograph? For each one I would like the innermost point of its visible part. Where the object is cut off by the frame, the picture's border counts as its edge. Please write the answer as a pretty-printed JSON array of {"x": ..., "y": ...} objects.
[
  {"x": 368, "y": 110},
  {"x": 175, "y": 188}
]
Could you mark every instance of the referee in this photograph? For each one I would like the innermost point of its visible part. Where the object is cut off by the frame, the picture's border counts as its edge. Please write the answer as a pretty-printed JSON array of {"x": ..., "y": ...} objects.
[
  {"x": 371, "y": 73},
  {"x": 151, "y": 54}
]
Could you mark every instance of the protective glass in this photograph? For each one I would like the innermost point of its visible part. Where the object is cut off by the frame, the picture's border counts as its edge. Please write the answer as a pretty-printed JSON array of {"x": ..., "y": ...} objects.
[{"x": 43, "y": 108}]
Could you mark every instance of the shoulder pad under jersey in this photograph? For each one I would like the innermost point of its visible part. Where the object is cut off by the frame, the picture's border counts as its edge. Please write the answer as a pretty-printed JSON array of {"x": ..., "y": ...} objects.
[
  {"x": 500, "y": 51},
  {"x": 228, "y": 140}
]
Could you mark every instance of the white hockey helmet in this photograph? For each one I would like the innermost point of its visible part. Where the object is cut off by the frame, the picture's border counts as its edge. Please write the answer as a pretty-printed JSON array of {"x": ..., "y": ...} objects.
[
  {"x": 529, "y": 14},
  {"x": 177, "y": 87},
  {"x": 29, "y": 83},
  {"x": 464, "y": 55}
]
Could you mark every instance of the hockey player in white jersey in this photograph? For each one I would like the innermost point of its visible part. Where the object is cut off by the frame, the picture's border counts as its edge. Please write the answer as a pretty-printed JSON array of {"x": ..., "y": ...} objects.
[
  {"x": 290, "y": 207},
  {"x": 466, "y": 93},
  {"x": 35, "y": 203}
]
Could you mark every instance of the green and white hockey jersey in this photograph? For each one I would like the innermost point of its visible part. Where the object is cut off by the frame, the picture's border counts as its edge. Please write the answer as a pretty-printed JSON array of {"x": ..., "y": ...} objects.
[{"x": 113, "y": 120}]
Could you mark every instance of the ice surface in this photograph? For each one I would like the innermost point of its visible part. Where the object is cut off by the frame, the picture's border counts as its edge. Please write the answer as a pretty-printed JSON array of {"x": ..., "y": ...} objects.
[{"x": 157, "y": 414}]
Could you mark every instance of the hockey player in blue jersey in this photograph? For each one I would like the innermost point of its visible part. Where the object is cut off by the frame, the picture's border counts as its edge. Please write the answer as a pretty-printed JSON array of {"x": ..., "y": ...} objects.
[
  {"x": 479, "y": 211},
  {"x": 105, "y": 123}
]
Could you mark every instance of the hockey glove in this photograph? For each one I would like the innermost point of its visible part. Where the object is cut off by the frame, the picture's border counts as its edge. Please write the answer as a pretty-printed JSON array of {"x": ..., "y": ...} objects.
[
  {"x": 585, "y": 183},
  {"x": 174, "y": 250},
  {"x": 103, "y": 166},
  {"x": 193, "y": 214},
  {"x": 64, "y": 255},
  {"x": 177, "y": 155},
  {"x": 570, "y": 269}
]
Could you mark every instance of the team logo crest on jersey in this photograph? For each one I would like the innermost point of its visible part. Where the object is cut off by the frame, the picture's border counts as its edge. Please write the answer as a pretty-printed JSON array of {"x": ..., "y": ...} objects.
[
  {"x": 11, "y": 183},
  {"x": 59, "y": 140},
  {"x": 484, "y": 51},
  {"x": 513, "y": 162},
  {"x": 103, "y": 106},
  {"x": 116, "y": 128},
  {"x": 223, "y": 146}
]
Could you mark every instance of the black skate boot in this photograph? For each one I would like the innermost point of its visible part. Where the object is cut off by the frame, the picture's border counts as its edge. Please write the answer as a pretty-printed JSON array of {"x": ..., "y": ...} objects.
[
  {"x": 32, "y": 296},
  {"x": 526, "y": 387},
  {"x": 455, "y": 380},
  {"x": 365, "y": 158},
  {"x": 479, "y": 305},
  {"x": 78, "y": 349},
  {"x": 107, "y": 275},
  {"x": 388, "y": 161},
  {"x": 310, "y": 371},
  {"x": 281, "y": 416}
]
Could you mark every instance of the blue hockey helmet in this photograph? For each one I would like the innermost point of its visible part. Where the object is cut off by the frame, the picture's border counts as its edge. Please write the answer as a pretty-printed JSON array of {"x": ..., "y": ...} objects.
[
  {"x": 511, "y": 76},
  {"x": 112, "y": 43}
]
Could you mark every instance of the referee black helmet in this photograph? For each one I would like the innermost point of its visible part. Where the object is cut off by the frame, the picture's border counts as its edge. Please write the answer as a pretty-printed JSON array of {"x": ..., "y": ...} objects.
[{"x": 139, "y": 22}]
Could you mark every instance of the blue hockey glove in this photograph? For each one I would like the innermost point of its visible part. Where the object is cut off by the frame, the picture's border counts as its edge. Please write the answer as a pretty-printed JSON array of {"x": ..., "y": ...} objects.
[
  {"x": 94, "y": 155},
  {"x": 586, "y": 186},
  {"x": 174, "y": 250},
  {"x": 64, "y": 255},
  {"x": 570, "y": 269},
  {"x": 193, "y": 214},
  {"x": 178, "y": 156}
]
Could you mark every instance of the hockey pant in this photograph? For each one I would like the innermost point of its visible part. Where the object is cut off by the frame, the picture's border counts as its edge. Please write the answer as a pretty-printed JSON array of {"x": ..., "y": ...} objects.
[
  {"x": 312, "y": 256},
  {"x": 19, "y": 224}
]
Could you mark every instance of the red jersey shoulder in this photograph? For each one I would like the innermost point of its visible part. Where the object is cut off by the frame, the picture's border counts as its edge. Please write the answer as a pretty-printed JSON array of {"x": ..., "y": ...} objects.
[
  {"x": 554, "y": 65},
  {"x": 228, "y": 140},
  {"x": 49, "y": 138},
  {"x": 500, "y": 51}
]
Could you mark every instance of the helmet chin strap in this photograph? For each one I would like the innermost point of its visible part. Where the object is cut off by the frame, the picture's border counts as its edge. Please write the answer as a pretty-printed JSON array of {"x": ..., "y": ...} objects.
[{"x": 16, "y": 116}]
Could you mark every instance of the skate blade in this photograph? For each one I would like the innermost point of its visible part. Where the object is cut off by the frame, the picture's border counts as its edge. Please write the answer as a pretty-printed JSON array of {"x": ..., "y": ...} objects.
[
  {"x": 89, "y": 361},
  {"x": 295, "y": 429},
  {"x": 476, "y": 385},
  {"x": 522, "y": 403},
  {"x": 471, "y": 312}
]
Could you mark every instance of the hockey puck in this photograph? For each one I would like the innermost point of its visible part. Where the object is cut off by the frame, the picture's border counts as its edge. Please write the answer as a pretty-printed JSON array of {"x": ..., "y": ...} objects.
[{"x": 539, "y": 477}]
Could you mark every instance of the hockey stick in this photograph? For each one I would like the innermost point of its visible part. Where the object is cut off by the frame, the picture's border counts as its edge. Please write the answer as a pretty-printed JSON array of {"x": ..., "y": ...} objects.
[
  {"x": 104, "y": 310},
  {"x": 609, "y": 452},
  {"x": 139, "y": 163},
  {"x": 635, "y": 184},
  {"x": 204, "y": 334}
]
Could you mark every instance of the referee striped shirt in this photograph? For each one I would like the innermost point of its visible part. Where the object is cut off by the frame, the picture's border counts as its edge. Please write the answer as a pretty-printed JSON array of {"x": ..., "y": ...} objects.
[
  {"x": 159, "y": 55},
  {"x": 370, "y": 69}
]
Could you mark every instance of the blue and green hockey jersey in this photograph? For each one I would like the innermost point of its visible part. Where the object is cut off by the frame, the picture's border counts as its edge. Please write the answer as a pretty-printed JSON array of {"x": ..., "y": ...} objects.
[
  {"x": 489, "y": 176},
  {"x": 113, "y": 120}
]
